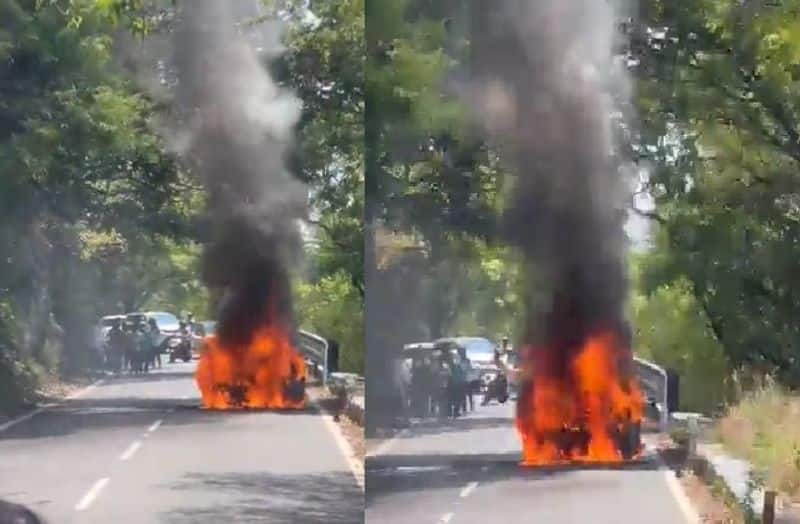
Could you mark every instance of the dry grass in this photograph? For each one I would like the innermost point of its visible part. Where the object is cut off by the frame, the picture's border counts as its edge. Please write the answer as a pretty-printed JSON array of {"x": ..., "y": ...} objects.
[{"x": 764, "y": 428}]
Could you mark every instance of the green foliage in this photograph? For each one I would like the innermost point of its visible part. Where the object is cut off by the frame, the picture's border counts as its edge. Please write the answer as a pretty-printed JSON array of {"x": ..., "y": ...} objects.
[
  {"x": 764, "y": 428},
  {"x": 86, "y": 183},
  {"x": 324, "y": 64},
  {"x": 671, "y": 330},
  {"x": 719, "y": 102},
  {"x": 428, "y": 175},
  {"x": 333, "y": 307}
]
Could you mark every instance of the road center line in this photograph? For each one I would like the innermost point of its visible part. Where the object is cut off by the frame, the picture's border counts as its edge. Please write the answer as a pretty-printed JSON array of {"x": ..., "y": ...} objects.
[
  {"x": 445, "y": 518},
  {"x": 128, "y": 453},
  {"x": 469, "y": 488},
  {"x": 155, "y": 425},
  {"x": 92, "y": 494}
]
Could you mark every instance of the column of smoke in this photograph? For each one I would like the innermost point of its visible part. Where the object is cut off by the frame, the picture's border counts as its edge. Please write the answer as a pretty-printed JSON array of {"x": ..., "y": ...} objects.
[
  {"x": 235, "y": 129},
  {"x": 543, "y": 76}
]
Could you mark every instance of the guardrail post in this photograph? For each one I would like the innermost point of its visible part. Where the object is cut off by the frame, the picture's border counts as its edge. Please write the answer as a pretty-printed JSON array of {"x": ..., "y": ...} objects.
[
  {"x": 663, "y": 418},
  {"x": 310, "y": 349},
  {"x": 768, "y": 513},
  {"x": 694, "y": 431},
  {"x": 325, "y": 366}
]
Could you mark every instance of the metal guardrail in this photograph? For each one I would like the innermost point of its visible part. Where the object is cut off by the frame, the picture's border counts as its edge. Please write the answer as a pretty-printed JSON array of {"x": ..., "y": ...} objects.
[
  {"x": 646, "y": 368},
  {"x": 315, "y": 348}
]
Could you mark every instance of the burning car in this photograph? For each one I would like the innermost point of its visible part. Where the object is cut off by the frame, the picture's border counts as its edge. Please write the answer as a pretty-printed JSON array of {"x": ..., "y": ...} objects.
[
  {"x": 584, "y": 408},
  {"x": 266, "y": 373}
]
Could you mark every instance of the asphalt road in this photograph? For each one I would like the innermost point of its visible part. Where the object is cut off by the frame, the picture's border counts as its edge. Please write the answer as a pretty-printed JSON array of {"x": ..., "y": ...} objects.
[
  {"x": 466, "y": 472},
  {"x": 138, "y": 450}
]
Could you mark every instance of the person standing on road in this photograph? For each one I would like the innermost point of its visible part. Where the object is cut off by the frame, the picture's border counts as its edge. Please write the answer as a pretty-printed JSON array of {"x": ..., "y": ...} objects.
[
  {"x": 139, "y": 349},
  {"x": 467, "y": 399},
  {"x": 442, "y": 376},
  {"x": 457, "y": 386},
  {"x": 155, "y": 350},
  {"x": 417, "y": 388},
  {"x": 117, "y": 345}
]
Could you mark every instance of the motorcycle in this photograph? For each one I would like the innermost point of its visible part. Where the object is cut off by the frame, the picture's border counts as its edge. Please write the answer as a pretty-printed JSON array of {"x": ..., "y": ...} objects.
[
  {"x": 179, "y": 347},
  {"x": 497, "y": 389}
]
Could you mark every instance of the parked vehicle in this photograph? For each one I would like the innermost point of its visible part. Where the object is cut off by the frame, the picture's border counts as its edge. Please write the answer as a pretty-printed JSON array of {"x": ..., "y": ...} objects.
[
  {"x": 167, "y": 323},
  {"x": 480, "y": 352},
  {"x": 108, "y": 321}
]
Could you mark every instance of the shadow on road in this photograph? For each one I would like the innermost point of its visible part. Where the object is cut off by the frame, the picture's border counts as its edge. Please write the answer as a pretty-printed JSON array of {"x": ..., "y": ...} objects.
[
  {"x": 160, "y": 376},
  {"x": 329, "y": 498},
  {"x": 435, "y": 426},
  {"x": 94, "y": 414},
  {"x": 388, "y": 475}
]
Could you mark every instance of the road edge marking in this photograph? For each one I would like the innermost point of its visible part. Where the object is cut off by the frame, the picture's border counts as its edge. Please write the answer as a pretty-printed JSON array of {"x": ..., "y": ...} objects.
[
  {"x": 155, "y": 425},
  {"x": 445, "y": 518},
  {"x": 673, "y": 484},
  {"x": 687, "y": 508},
  {"x": 27, "y": 416},
  {"x": 92, "y": 494},
  {"x": 348, "y": 453}
]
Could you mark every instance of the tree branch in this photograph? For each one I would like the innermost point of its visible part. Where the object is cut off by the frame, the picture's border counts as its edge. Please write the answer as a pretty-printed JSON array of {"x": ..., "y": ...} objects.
[{"x": 650, "y": 215}]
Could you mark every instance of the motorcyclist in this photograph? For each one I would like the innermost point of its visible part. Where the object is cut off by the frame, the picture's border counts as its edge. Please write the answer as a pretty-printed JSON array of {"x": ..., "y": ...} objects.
[
  {"x": 515, "y": 375},
  {"x": 184, "y": 332}
]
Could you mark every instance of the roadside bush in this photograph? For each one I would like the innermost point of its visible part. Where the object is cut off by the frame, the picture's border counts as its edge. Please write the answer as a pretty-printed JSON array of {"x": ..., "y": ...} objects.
[
  {"x": 764, "y": 428},
  {"x": 18, "y": 384}
]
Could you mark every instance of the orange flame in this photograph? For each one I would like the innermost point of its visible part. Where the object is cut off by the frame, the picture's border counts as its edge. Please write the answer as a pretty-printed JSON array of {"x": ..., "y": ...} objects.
[
  {"x": 581, "y": 412},
  {"x": 253, "y": 376}
]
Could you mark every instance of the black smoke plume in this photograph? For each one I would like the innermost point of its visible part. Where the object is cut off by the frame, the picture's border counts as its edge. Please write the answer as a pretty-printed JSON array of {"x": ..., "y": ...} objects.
[
  {"x": 546, "y": 82},
  {"x": 236, "y": 127}
]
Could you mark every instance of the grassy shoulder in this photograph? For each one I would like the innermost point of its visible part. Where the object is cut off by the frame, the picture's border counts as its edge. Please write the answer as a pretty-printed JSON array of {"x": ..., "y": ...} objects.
[{"x": 764, "y": 429}]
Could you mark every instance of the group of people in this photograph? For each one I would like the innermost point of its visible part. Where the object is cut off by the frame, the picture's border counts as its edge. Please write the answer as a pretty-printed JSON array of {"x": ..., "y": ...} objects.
[
  {"x": 135, "y": 347},
  {"x": 443, "y": 386}
]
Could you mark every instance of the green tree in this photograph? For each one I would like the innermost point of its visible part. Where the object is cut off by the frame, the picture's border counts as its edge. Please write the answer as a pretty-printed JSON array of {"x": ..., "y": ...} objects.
[
  {"x": 718, "y": 98},
  {"x": 85, "y": 182}
]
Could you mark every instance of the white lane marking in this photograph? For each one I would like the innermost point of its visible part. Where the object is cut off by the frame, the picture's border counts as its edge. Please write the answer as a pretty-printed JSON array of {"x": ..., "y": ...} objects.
[
  {"x": 356, "y": 466},
  {"x": 154, "y": 426},
  {"x": 445, "y": 518},
  {"x": 92, "y": 494},
  {"x": 387, "y": 445},
  {"x": 469, "y": 488},
  {"x": 674, "y": 485},
  {"x": 128, "y": 453},
  {"x": 22, "y": 418}
]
